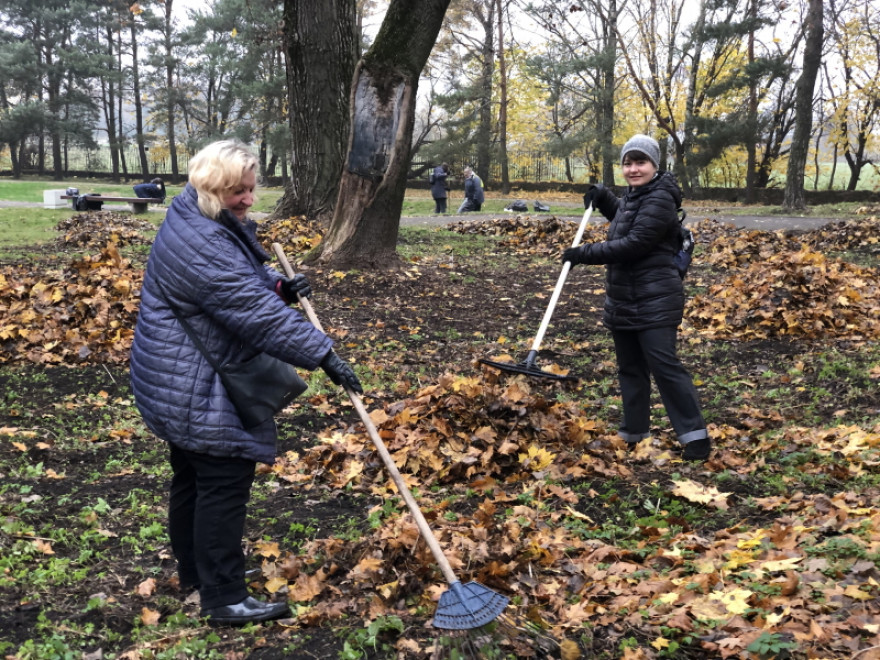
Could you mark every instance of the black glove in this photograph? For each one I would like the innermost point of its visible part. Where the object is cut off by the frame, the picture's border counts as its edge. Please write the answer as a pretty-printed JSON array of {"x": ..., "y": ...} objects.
[
  {"x": 590, "y": 196},
  {"x": 298, "y": 286},
  {"x": 341, "y": 373},
  {"x": 572, "y": 254}
]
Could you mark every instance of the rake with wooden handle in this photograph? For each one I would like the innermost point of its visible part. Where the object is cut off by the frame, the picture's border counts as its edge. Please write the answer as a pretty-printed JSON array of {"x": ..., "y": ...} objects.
[
  {"x": 463, "y": 606},
  {"x": 528, "y": 367}
]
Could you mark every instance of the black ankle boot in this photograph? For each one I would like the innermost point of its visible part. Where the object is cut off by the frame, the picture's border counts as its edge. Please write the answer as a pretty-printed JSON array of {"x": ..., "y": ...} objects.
[
  {"x": 697, "y": 450},
  {"x": 250, "y": 610}
]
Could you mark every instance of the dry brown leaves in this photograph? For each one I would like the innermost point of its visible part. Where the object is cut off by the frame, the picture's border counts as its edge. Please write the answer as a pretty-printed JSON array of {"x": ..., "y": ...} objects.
[
  {"x": 759, "y": 284},
  {"x": 83, "y": 313},
  {"x": 297, "y": 234},
  {"x": 800, "y": 577},
  {"x": 95, "y": 229},
  {"x": 527, "y": 235}
]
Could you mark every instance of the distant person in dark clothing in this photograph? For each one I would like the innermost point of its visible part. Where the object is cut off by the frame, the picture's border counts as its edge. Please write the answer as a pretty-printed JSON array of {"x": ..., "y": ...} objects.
[
  {"x": 439, "y": 189},
  {"x": 473, "y": 192},
  {"x": 155, "y": 189}
]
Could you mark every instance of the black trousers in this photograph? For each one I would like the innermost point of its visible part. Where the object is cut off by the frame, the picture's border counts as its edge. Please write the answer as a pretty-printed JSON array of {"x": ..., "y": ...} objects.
[
  {"x": 206, "y": 516},
  {"x": 439, "y": 205},
  {"x": 647, "y": 353}
]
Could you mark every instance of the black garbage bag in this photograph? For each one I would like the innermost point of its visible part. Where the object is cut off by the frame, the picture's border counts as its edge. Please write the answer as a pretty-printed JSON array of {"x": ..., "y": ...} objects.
[
  {"x": 83, "y": 204},
  {"x": 540, "y": 206},
  {"x": 519, "y": 206}
]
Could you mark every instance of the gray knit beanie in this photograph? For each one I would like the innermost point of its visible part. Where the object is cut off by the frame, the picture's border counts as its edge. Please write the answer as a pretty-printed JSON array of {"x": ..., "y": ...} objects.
[{"x": 644, "y": 144}]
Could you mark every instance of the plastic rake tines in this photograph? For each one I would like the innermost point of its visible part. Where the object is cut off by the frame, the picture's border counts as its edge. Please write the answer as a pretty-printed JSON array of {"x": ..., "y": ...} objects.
[{"x": 504, "y": 637}]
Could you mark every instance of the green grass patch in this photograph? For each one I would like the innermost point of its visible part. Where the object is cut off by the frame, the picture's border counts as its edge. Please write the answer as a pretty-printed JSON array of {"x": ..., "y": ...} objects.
[{"x": 28, "y": 226}]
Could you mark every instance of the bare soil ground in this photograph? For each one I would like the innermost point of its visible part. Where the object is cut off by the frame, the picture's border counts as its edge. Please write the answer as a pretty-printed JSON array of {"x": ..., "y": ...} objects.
[{"x": 90, "y": 468}]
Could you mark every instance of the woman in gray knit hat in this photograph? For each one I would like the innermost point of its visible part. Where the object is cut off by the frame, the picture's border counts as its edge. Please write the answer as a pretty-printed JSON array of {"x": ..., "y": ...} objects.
[{"x": 644, "y": 299}]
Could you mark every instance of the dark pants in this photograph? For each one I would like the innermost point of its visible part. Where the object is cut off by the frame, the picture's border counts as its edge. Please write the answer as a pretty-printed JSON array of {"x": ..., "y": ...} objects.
[
  {"x": 206, "y": 515},
  {"x": 439, "y": 205},
  {"x": 647, "y": 353},
  {"x": 469, "y": 205}
]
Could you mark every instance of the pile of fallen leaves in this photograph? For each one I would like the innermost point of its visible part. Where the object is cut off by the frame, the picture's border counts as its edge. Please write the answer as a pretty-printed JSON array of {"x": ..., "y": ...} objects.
[
  {"x": 485, "y": 427},
  {"x": 491, "y": 460},
  {"x": 83, "y": 313},
  {"x": 774, "y": 285},
  {"x": 95, "y": 229},
  {"x": 860, "y": 234},
  {"x": 531, "y": 235},
  {"x": 297, "y": 235}
]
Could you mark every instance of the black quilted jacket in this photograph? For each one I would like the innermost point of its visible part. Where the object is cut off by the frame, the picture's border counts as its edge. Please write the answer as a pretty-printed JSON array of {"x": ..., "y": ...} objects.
[{"x": 643, "y": 289}]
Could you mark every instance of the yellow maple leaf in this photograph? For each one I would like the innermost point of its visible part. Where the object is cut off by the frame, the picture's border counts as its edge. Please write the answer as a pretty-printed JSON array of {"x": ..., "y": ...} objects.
[
  {"x": 274, "y": 584},
  {"x": 537, "y": 458},
  {"x": 853, "y": 591},
  {"x": 696, "y": 492},
  {"x": 44, "y": 547},
  {"x": 267, "y": 549},
  {"x": 781, "y": 564},
  {"x": 735, "y": 601},
  {"x": 660, "y": 643}
]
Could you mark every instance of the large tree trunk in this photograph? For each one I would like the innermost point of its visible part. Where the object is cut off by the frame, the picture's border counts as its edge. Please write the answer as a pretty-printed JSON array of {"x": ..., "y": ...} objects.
[
  {"x": 363, "y": 232},
  {"x": 321, "y": 43},
  {"x": 795, "y": 198}
]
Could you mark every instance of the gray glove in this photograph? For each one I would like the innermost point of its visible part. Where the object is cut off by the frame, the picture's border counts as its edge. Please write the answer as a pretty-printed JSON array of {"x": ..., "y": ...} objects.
[{"x": 341, "y": 373}]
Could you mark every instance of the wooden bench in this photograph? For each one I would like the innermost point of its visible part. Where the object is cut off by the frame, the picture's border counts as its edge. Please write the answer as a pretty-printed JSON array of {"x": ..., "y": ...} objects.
[{"x": 137, "y": 204}]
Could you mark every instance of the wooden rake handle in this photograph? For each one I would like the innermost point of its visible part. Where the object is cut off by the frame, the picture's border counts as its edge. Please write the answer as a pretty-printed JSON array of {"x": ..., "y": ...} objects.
[{"x": 402, "y": 488}]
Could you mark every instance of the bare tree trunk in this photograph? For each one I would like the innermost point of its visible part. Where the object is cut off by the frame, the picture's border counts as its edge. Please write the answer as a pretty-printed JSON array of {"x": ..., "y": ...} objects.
[
  {"x": 108, "y": 97},
  {"x": 138, "y": 105},
  {"x": 321, "y": 44},
  {"x": 752, "y": 121},
  {"x": 502, "y": 110},
  {"x": 171, "y": 93},
  {"x": 605, "y": 115},
  {"x": 363, "y": 232},
  {"x": 484, "y": 132},
  {"x": 795, "y": 198}
]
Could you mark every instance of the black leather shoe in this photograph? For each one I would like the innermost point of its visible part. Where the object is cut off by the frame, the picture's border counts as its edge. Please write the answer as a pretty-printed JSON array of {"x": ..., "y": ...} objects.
[
  {"x": 697, "y": 450},
  {"x": 250, "y": 610}
]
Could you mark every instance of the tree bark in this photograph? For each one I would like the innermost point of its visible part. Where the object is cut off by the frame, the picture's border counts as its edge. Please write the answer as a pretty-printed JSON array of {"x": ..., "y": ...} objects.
[
  {"x": 321, "y": 43},
  {"x": 365, "y": 225},
  {"x": 170, "y": 102},
  {"x": 502, "y": 109},
  {"x": 794, "y": 197},
  {"x": 484, "y": 132},
  {"x": 138, "y": 104}
]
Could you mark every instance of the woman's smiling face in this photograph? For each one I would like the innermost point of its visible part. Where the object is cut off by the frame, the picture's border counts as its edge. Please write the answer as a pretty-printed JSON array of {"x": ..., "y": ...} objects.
[
  {"x": 638, "y": 171},
  {"x": 240, "y": 199}
]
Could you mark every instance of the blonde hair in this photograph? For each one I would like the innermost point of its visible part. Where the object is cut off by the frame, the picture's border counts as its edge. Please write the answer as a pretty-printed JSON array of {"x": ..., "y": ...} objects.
[{"x": 217, "y": 170}]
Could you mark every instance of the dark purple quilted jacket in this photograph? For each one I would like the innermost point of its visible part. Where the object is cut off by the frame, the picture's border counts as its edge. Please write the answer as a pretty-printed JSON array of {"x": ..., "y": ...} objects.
[{"x": 233, "y": 309}]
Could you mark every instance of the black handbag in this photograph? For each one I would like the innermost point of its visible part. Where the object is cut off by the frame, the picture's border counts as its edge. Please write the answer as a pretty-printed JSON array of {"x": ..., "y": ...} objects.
[{"x": 258, "y": 387}]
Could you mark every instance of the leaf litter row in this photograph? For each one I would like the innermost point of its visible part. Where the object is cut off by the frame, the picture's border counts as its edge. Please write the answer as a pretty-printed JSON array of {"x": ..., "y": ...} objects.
[
  {"x": 514, "y": 457},
  {"x": 753, "y": 284}
]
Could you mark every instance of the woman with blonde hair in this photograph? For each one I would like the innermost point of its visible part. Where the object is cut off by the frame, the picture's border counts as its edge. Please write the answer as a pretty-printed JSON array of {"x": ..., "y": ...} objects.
[{"x": 208, "y": 298}]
